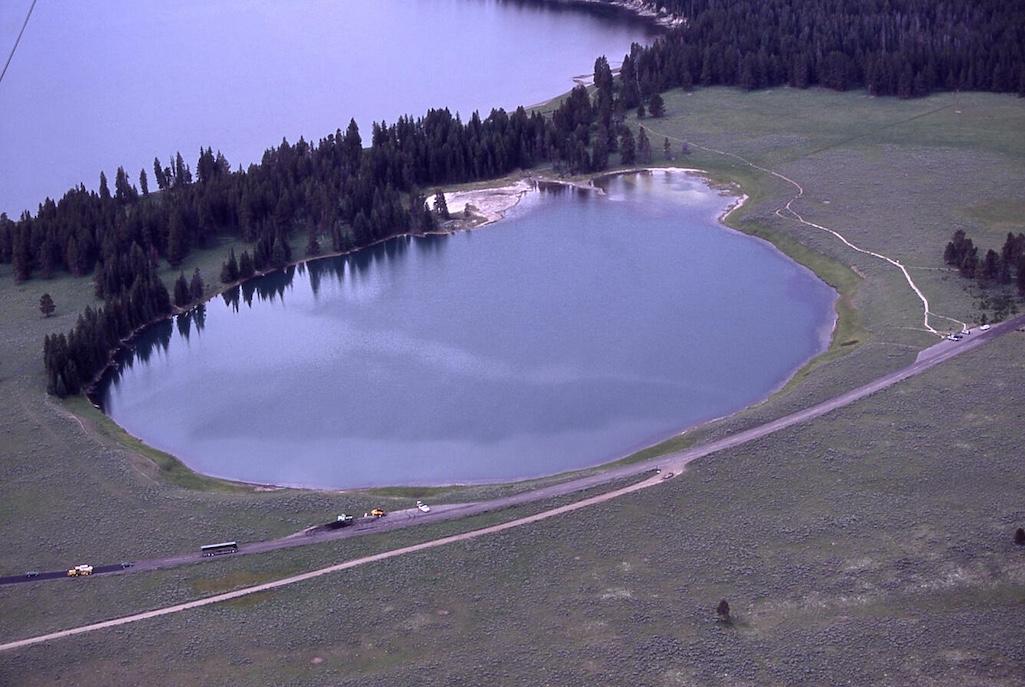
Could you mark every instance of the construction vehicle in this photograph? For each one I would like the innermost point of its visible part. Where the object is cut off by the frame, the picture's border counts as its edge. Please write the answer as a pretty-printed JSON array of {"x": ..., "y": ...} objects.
[
  {"x": 377, "y": 513},
  {"x": 80, "y": 571}
]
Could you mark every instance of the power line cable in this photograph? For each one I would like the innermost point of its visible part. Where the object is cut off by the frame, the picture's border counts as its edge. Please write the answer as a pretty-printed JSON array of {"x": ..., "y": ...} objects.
[{"x": 17, "y": 40}]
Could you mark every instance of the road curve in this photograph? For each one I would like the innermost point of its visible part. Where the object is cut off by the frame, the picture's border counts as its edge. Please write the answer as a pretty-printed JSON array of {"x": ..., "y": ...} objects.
[{"x": 671, "y": 463}]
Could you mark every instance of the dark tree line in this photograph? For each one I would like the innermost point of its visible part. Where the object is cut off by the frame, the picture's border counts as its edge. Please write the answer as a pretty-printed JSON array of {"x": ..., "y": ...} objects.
[
  {"x": 907, "y": 48},
  {"x": 1004, "y": 267}
]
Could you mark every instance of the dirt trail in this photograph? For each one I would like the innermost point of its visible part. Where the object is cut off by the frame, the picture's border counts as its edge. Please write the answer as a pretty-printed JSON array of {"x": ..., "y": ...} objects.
[
  {"x": 787, "y": 212},
  {"x": 267, "y": 586}
]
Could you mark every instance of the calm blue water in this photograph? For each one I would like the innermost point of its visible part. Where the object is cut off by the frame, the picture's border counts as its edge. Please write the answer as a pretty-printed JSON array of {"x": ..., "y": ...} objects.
[
  {"x": 577, "y": 329},
  {"x": 95, "y": 85}
]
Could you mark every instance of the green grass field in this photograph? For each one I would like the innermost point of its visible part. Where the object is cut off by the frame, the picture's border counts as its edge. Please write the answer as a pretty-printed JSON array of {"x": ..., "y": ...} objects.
[{"x": 870, "y": 546}]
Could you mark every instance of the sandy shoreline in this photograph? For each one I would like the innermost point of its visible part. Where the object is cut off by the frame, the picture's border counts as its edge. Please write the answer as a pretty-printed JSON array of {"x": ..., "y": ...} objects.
[{"x": 480, "y": 207}]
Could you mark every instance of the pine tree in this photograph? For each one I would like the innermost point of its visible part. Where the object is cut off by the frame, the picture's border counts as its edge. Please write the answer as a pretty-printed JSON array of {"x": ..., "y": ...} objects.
[
  {"x": 143, "y": 182},
  {"x": 667, "y": 149},
  {"x": 312, "y": 244},
  {"x": 245, "y": 266},
  {"x": 627, "y": 147},
  {"x": 196, "y": 286},
  {"x": 104, "y": 189},
  {"x": 279, "y": 254},
  {"x": 441, "y": 206},
  {"x": 182, "y": 173},
  {"x": 158, "y": 174},
  {"x": 602, "y": 74},
  {"x": 181, "y": 291},
  {"x": 644, "y": 153},
  {"x": 229, "y": 269},
  {"x": 46, "y": 305},
  {"x": 991, "y": 265},
  {"x": 657, "y": 106}
]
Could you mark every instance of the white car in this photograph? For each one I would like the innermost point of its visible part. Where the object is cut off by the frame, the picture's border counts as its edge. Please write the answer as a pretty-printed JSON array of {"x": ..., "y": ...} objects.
[
  {"x": 423, "y": 507},
  {"x": 984, "y": 328}
]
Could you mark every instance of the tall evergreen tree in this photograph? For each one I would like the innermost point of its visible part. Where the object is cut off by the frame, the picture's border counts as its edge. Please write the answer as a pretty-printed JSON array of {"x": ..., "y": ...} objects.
[
  {"x": 441, "y": 206},
  {"x": 229, "y": 270},
  {"x": 196, "y": 286},
  {"x": 245, "y": 266},
  {"x": 657, "y": 106},
  {"x": 627, "y": 147},
  {"x": 644, "y": 152},
  {"x": 181, "y": 291},
  {"x": 158, "y": 174}
]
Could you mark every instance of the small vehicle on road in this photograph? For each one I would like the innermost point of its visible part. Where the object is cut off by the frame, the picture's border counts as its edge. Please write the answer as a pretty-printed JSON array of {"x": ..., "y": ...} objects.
[
  {"x": 80, "y": 571},
  {"x": 667, "y": 475},
  {"x": 376, "y": 513},
  {"x": 32, "y": 573},
  {"x": 984, "y": 328},
  {"x": 125, "y": 565},
  {"x": 423, "y": 507},
  {"x": 344, "y": 520}
]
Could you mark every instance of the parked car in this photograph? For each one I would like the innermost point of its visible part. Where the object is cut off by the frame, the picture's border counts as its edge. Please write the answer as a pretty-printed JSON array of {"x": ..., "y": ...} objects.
[{"x": 423, "y": 507}]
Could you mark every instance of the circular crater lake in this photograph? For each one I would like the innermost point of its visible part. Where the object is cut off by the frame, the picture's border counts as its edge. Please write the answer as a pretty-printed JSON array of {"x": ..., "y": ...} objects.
[{"x": 579, "y": 328}]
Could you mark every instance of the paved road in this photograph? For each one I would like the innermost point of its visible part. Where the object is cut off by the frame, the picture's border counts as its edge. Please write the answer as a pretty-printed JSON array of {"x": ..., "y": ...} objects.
[
  {"x": 671, "y": 465},
  {"x": 673, "y": 462}
]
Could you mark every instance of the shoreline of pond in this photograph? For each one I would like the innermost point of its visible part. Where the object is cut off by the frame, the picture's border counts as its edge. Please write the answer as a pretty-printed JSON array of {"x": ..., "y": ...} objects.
[{"x": 504, "y": 198}]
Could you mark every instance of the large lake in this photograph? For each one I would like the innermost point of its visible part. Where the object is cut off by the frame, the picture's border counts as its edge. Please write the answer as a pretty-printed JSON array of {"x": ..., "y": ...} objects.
[
  {"x": 95, "y": 85},
  {"x": 577, "y": 329}
]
